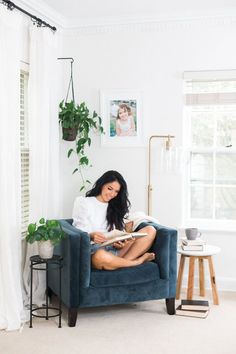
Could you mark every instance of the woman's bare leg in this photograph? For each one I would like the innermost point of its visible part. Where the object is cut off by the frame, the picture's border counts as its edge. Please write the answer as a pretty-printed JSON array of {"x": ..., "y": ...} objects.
[
  {"x": 142, "y": 244},
  {"x": 106, "y": 260}
]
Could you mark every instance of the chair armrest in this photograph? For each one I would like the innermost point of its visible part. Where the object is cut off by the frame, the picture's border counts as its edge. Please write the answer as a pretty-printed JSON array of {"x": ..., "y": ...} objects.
[
  {"x": 75, "y": 250},
  {"x": 165, "y": 248}
]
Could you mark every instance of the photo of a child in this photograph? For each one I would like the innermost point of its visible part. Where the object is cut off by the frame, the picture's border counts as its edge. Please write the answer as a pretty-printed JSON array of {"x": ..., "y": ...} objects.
[
  {"x": 122, "y": 115},
  {"x": 123, "y": 118}
]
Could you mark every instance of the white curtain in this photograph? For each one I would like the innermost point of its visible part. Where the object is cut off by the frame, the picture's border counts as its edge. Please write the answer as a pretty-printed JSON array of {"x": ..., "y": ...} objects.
[
  {"x": 11, "y": 305},
  {"x": 43, "y": 140},
  {"x": 43, "y": 124}
]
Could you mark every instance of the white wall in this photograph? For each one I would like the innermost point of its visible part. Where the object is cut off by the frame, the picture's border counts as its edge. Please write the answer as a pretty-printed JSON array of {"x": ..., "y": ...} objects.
[{"x": 152, "y": 59}]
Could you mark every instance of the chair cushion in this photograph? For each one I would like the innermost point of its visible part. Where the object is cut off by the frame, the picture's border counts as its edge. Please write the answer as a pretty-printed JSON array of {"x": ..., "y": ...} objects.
[{"x": 125, "y": 276}]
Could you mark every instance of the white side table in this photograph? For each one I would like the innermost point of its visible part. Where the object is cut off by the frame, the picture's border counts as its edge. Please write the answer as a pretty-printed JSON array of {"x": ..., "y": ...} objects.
[{"x": 208, "y": 252}]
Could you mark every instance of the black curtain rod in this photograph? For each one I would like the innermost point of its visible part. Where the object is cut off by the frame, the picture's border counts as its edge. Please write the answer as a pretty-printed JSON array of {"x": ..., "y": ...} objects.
[{"x": 40, "y": 23}]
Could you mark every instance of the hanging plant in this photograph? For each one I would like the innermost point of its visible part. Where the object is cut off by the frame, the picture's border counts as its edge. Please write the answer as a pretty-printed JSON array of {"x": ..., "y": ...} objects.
[
  {"x": 77, "y": 123},
  {"x": 87, "y": 123},
  {"x": 68, "y": 119}
]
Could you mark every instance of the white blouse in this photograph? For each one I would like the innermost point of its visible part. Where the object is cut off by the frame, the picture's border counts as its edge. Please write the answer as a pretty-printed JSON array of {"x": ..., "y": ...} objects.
[{"x": 89, "y": 214}]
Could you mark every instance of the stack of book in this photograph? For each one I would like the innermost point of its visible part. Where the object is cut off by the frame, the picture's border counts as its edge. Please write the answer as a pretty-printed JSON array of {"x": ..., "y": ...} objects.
[
  {"x": 193, "y": 308},
  {"x": 193, "y": 245}
]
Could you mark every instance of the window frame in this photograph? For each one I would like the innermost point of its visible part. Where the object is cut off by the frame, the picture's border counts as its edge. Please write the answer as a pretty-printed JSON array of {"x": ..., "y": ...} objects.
[{"x": 188, "y": 221}]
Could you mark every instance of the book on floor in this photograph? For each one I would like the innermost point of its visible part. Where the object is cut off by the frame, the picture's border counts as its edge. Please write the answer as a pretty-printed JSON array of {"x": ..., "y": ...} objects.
[
  {"x": 191, "y": 313},
  {"x": 194, "y": 305},
  {"x": 117, "y": 235}
]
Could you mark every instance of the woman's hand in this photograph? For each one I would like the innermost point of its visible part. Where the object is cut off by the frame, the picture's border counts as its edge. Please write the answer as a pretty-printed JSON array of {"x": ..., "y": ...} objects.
[
  {"x": 121, "y": 244},
  {"x": 97, "y": 237}
]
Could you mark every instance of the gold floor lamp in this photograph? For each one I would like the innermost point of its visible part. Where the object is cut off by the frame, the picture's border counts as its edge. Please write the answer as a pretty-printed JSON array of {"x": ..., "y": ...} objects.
[{"x": 167, "y": 146}]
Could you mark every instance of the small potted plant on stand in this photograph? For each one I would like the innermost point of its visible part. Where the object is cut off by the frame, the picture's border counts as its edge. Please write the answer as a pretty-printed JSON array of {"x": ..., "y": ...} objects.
[{"x": 47, "y": 233}]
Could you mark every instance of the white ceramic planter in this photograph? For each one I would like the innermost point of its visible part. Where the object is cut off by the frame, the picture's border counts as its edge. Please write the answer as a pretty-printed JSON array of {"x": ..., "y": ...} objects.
[{"x": 45, "y": 249}]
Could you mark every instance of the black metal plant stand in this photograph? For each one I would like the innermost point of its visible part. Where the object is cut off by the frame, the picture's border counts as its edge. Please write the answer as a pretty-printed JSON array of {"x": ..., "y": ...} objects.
[{"x": 34, "y": 262}]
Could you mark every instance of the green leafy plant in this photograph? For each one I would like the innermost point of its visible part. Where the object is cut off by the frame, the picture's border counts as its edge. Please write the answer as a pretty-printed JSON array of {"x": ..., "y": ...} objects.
[
  {"x": 45, "y": 230},
  {"x": 68, "y": 115},
  {"x": 80, "y": 118},
  {"x": 69, "y": 120}
]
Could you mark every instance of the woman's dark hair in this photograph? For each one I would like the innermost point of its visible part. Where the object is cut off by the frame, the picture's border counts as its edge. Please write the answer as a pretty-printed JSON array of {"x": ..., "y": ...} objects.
[{"x": 119, "y": 206}]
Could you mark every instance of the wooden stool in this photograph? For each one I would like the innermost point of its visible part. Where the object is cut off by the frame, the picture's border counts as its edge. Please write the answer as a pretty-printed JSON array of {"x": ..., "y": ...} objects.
[{"x": 207, "y": 253}]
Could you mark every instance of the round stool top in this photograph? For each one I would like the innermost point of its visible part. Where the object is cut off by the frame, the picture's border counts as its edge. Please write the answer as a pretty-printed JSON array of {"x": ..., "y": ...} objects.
[{"x": 208, "y": 250}]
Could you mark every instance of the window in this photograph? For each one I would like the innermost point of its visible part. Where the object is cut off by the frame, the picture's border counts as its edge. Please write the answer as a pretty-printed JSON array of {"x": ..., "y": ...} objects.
[
  {"x": 210, "y": 113},
  {"x": 24, "y": 151}
]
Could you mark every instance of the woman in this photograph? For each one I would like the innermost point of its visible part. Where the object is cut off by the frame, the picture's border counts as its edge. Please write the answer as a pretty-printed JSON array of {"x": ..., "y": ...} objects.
[{"x": 103, "y": 209}]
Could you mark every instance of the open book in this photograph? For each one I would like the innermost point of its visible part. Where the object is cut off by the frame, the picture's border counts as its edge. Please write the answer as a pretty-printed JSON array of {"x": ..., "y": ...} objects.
[{"x": 117, "y": 235}]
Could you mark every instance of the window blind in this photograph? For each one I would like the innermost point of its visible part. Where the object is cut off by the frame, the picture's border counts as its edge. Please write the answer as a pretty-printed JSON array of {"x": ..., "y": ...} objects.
[
  {"x": 206, "y": 92},
  {"x": 24, "y": 151}
]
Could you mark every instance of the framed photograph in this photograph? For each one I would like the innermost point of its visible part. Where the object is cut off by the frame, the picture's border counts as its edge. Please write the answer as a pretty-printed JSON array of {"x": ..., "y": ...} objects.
[{"x": 121, "y": 113}]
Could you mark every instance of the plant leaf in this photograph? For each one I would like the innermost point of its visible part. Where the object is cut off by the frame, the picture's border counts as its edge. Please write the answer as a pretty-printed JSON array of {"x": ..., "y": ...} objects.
[
  {"x": 70, "y": 152},
  {"x": 84, "y": 161},
  {"x": 32, "y": 228},
  {"x": 75, "y": 171}
]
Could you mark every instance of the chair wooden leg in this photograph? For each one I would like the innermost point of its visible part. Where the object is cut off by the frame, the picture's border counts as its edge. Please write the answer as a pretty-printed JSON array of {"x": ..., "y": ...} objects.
[
  {"x": 72, "y": 316},
  {"x": 170, "y": 306},
  {"x": 201, "y": 276},
  {"x": 213, "y": 282},
  {"x": 191, "y": 278},
  {"x": 180, "y": 276}
]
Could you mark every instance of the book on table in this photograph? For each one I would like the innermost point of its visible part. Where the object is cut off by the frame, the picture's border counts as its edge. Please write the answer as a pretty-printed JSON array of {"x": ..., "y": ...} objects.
[
  {"x": 197, "y": 242},
  {"x": 192, "y": 248},
  {"x": 118, "y": 235},
  {"x": 193, "y": 245},
  {"x": 194, "y": 305},
  {"x": 191, "y": 313}
]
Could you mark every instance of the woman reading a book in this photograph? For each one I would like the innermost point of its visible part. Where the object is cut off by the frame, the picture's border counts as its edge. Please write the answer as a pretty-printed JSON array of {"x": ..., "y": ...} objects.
[{"x": 103, "y": 209}]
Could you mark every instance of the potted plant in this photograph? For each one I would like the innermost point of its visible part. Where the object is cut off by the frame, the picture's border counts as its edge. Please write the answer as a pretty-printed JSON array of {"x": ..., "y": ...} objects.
[
  {"x": 87, "y": 122},
  {"x": 47, "y": 233},
  {"x": 77, "y": 123},
  {"x": 68, "y": 110},
  {"x": 69, "y": 120}
]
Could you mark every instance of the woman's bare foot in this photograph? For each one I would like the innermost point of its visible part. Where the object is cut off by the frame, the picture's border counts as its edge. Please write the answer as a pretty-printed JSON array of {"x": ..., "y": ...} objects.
[{"x": 146, "y": 257}]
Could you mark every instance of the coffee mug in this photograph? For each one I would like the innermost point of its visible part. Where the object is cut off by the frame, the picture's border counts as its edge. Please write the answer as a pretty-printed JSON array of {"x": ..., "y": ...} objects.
[{"x": 192, "y": 233}]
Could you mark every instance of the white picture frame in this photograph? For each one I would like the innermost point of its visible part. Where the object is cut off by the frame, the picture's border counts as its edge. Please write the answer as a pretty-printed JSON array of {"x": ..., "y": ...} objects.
[{"x": 121, "y": 113}]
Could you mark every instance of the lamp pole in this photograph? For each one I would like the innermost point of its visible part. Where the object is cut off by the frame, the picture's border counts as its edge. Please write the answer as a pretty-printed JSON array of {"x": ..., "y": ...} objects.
[{"x": 167, "y": 146}]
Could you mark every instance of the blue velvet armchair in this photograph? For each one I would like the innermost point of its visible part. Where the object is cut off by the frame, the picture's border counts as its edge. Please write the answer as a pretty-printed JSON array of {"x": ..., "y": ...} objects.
[{"x": 83, "y": 286}]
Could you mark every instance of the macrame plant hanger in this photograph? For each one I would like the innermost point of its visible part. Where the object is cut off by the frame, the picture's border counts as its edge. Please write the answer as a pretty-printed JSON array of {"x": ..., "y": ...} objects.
[
  {"x": 70, "y": 133},
  {"x": 71, "y": 83}
]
